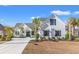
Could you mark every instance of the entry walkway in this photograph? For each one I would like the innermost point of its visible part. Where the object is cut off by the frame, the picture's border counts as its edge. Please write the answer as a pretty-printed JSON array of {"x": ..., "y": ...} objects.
[{"x": 16, "y": 46}]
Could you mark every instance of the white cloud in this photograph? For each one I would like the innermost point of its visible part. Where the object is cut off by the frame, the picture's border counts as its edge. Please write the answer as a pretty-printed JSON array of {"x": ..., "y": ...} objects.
[
  {"x": 32, "y": 17},
  {"x": 76, "y": 12},
  {"x": 59, "y": 12}
]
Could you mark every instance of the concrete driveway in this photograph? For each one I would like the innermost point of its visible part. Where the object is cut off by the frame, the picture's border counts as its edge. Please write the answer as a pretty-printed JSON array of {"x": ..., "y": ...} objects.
[{"x": 16, "y": 46}]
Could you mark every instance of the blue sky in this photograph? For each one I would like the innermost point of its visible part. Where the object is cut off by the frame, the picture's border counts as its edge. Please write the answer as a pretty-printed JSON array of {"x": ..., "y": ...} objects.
[{"x": 10, "y": 15}]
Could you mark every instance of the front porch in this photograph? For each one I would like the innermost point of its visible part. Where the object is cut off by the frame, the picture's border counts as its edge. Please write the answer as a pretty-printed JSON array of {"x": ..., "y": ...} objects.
[{"x": 53, "y": 33}]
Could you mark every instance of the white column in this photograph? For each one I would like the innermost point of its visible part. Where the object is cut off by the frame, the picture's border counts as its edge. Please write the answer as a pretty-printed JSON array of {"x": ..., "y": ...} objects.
[
  {"x": 39, "y": 32},
  {"x": 53, "y": 33},
  {"x": 30, "y": 33},
  {"x": 50, "y": 34}
]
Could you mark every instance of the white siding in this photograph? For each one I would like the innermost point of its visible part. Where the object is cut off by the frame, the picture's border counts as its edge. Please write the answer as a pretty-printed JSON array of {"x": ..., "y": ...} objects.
[{"x": 60, "y": 25}]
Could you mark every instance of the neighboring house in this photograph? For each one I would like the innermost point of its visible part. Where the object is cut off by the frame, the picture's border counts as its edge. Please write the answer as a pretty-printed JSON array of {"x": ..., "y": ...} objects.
[
  {"x": 76, "y": 34},
  {"x": 32, "y": 27},
  {"x": 52, "y": 27},
  {"x": 2, "y": 31},
  {"x": 22, "y": 30}
]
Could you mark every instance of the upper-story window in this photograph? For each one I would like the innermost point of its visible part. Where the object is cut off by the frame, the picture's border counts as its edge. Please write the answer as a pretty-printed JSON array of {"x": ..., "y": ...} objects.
[{"x": 52, "y": 21}]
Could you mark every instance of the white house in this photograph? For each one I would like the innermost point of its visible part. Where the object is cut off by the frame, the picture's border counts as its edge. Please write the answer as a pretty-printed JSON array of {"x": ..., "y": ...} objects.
[
  {"x": 53, "y": 27},
  {"x": 22, "y": 30},
  {"x": 2, "y": 31}
]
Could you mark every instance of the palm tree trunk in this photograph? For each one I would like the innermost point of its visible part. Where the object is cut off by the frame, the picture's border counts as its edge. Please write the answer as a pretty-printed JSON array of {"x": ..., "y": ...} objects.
[
  {"x": 36, "y": 32},
  {"x": 69, "y": 32},
  {"x": 73, "y": 29}
]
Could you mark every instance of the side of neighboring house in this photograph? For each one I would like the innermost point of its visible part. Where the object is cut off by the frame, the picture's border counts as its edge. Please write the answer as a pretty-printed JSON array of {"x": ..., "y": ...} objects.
[
  {"x": 2, "y": 32},
  {"x": 53, "y": 27},
  {"x": 32, "y": 27},
  {"x": 76, "y": 34}
]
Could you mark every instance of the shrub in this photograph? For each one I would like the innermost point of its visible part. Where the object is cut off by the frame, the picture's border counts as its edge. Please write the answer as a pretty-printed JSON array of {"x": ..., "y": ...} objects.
[
  {"x": 37, "y": 37},
  {"x": 1, "y": 38},
  {"x": 67, "y": 36}
]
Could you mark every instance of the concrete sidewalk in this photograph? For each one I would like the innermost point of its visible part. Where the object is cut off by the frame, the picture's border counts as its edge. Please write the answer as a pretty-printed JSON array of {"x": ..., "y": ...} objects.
[{"x": 16, "y": 46}]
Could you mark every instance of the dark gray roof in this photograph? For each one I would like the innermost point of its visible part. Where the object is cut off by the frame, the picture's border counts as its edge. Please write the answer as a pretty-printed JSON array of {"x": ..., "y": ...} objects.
[
  {"x": 18, "y": 24},
  {"x": 1, "y": 27},
  {"x": 31, "y": 25},
  {"x": 43, "y": 19}
]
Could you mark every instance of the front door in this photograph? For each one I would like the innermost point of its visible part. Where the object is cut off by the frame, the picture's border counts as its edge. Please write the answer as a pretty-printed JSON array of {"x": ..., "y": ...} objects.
[{"x": 28, "y": 34}]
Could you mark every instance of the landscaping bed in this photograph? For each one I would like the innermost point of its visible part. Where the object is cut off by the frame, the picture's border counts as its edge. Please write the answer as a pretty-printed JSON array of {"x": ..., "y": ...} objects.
[{"x": 52, "y": 47}]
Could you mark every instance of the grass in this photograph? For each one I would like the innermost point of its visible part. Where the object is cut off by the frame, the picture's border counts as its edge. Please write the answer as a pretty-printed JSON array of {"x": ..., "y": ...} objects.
[{"x": 51, "y": 47}]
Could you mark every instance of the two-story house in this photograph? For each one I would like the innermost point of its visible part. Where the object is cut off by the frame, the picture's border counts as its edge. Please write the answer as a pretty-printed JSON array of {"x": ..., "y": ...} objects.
[{"x": 52, "y": 27}]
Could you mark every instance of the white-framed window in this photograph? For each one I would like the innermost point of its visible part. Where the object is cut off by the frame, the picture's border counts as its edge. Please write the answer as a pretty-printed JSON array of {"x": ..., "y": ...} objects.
[
  {"x": 52, "y": 21},
  {"x": 17, "y": 33},
  {"x": 57, "y": 33},
  {"x": 46, "y": 33}
]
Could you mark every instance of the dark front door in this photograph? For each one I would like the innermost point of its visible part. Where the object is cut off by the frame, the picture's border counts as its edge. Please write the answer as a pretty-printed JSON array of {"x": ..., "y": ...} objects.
[{"x": 28, "y": 34}]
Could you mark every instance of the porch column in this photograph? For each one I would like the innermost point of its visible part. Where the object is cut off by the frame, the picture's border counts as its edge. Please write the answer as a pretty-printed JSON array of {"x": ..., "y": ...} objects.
[
  {"x": 53, "y": 33},
  {"x": 39, "y": 32},
  {"x": 30, "y": 33},
  {"x": 50, "y": 33}
]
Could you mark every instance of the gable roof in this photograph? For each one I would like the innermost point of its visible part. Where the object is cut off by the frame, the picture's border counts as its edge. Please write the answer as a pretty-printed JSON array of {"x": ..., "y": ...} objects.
[
  {"x": 53, "y": 16},
  {"x": 31, "y": 25},
  {"x": 43, "y": 19},
  {"x": 18, "y": 24}
]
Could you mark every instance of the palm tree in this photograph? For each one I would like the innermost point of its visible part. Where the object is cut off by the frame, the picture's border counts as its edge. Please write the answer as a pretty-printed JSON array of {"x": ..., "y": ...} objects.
[
  {"x": 37, "y": 22},
  {"x": 72, "y": 24},
  {"x": 9, "y": 32},
  {"x": 77, "y": 22}
]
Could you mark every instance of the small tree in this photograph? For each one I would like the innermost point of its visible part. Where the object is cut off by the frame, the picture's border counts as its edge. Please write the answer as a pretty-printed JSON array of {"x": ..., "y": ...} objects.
[
  {"x": 67, "y": 36},
  {"x": 37, "y": 37},
  {"x": 72, "y": 23},
  {"x": 9, "y": 33},
  {"x": 37, "y": 22}
]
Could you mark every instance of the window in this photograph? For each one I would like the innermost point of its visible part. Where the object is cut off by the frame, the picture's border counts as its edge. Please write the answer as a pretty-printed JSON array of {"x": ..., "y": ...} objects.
[
  {"x": 52, "y": 21},
  {"x": 28, "y": 34},
  {"x": 32, "y": 32},
  {"x": 22, "y": 31},
  {"x": 17, "y": 33},
  {"x": 46, "y": 33},
  {"x": 57, "y": 33}
]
